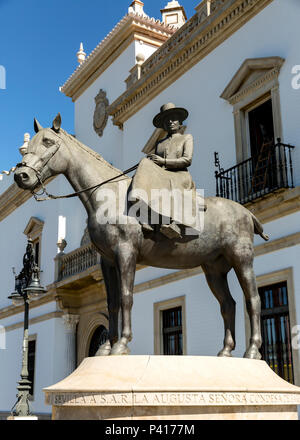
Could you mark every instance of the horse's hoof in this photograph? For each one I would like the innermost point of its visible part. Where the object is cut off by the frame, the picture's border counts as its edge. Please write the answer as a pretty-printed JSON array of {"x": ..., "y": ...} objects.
[
  {"x": 104, "y": 349},
  {"x": 225, "y": 353},
  {"x": 119, "y": 349},
  {"x": 252, "y": 353}
]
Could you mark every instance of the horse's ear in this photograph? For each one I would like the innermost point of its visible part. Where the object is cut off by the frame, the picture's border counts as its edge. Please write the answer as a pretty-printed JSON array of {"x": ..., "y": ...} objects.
[
  {"x": 37, "y": 126},
  {"x": 57, "y": 123}
]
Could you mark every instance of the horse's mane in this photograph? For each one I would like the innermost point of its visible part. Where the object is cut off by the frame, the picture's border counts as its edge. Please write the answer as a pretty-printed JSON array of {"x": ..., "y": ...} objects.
[{"x": 89, "y": 151}]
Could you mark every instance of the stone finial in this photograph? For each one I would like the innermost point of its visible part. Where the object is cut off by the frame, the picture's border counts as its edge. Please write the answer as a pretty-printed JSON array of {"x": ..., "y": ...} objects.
[
  {"x": 81, "y": 55},
  {"x": 174, "y": 14},
  {"x": 61, "y": 244},
  {"x": 24, "y": 147},
  {"x": 140, "y": 58},
  {"x": 137, "y": 7}
]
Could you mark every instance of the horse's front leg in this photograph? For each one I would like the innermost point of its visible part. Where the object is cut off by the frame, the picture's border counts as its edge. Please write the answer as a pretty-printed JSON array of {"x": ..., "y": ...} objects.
[
  {"x": 110, "y": 277},
  {"x": 126, "y": 266}
]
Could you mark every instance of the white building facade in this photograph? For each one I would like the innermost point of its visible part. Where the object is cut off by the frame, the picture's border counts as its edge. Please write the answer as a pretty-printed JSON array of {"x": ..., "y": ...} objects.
[{"x": 236, "y": 71}]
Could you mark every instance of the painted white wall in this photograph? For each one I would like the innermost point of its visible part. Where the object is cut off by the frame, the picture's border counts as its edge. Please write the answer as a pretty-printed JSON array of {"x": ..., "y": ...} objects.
[
  {"x": 143, "y": 48},
  {"x": 50, "y": 360},
  {"x": 112, "y": 80},
  {"x": 280, "y": 228},
  {"x": 150, "y": 273}
]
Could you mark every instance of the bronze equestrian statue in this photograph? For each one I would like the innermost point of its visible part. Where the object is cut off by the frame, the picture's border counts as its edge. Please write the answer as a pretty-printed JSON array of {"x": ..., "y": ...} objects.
[{"x": 226, "y": 241}]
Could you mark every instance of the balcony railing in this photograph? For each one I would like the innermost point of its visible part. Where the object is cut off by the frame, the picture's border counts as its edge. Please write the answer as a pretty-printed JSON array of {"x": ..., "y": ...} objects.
[
  {"x": 257, "y": 176},
  {"x": 77, "y": 261}
]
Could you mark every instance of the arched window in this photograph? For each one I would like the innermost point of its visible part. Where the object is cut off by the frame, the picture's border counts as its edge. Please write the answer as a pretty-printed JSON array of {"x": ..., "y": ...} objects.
[{"x": 99, "y": 337}]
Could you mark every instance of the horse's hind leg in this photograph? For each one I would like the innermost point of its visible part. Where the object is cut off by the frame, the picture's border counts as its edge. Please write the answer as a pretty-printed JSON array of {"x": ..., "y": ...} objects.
[
  {"x": 126, "y": 266},
  {"x": 110, "y": 276},
  {"x": 245, "y": 273},
  {"x": 217, "y": 281}
]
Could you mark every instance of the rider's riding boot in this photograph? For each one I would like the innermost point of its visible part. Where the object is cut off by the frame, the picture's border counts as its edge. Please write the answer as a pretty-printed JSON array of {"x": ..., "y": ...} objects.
[
  {"x": 171, "y": 231},
  {"x": 147, "y": 228}
]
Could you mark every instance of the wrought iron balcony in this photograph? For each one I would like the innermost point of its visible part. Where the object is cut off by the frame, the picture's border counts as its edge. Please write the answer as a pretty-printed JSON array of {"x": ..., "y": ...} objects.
[{"x": 257, "y": 176}]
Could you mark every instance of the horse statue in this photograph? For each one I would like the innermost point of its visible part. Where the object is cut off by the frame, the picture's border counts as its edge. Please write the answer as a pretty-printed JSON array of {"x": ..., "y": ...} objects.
[{"x": 225, "y": 242}]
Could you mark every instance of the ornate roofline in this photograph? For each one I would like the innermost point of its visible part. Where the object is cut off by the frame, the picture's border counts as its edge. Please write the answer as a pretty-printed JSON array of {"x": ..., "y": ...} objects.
[
  {"x": 156, "y": 31},
  {"x": 191, "y": 43}
]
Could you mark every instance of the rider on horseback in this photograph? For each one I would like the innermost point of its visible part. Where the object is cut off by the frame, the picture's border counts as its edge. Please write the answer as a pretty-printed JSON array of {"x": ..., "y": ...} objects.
[{"x": 173, "y": 154}]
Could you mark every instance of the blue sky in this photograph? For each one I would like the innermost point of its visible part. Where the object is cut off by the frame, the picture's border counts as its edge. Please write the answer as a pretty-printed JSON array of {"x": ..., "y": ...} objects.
[{"x": 38, "y": 44}]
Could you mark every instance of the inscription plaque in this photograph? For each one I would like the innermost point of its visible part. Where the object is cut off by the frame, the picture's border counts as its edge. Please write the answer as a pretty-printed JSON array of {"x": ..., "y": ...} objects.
[{"x": 169, "y": 399}]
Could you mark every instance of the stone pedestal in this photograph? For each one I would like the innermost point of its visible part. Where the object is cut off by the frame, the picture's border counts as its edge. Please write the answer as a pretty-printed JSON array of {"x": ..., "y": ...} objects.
[{"x": 173, "y": 388}]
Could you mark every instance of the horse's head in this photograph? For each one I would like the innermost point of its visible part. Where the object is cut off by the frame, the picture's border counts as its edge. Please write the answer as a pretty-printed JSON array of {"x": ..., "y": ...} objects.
[{"x": 41, "y": 159}]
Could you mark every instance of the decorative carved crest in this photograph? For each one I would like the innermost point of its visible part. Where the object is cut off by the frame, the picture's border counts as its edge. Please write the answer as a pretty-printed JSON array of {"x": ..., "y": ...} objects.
[{"x": 101, "y": 113}]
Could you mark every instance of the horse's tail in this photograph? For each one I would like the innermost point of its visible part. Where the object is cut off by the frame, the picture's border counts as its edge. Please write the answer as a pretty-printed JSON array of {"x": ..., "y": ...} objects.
[{"x": 258, "y": 228}]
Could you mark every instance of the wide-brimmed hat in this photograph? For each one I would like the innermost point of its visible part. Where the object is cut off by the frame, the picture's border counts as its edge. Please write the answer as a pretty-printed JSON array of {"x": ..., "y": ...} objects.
[{"x": 168, "y": 109}]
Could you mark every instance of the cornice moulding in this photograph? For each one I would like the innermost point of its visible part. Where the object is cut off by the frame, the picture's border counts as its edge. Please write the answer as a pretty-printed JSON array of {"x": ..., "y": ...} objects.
[
  {"x": 11, "y": 199},
  {"x": 255, "y": 85},
  {"x": 269, "y": 68},
  {"x": 14, "y": 197},
  {"x": 132, "y": 25},
  {"x": 34, "y": 226},
  {"x": 276, "y": 205},
  {"x": 192, "y": 42}
]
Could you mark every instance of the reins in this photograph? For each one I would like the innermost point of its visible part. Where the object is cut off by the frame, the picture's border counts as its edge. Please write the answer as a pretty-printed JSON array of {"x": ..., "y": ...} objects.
[
  {"x": 45, "y": 160},
  {"x": 75, "y": 194}
]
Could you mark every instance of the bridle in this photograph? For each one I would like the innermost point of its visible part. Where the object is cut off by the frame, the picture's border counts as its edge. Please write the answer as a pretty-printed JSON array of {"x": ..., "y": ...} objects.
[{"x": 51, "y": 151}]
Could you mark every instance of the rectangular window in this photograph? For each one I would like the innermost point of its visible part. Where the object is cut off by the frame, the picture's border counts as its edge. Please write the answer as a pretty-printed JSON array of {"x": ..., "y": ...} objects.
[
  {"x": 172, "y": 331},
  {"x": 31, "y": 363},
  {"x": 172, "y": 19},
  {"x": 170, "y": 327},
  {"x": 276, "y": 348}
]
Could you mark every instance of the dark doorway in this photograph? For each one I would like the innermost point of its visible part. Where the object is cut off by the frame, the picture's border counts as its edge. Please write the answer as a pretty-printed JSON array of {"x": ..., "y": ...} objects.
[
  {"x": 261, "y": 127},
  {"x": 263, "y": 164},
  {"x": 99, "y": 337}
]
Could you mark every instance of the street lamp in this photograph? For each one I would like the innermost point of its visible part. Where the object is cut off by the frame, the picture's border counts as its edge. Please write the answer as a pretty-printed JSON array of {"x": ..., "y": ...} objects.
[{"x": 27, "y": 287}]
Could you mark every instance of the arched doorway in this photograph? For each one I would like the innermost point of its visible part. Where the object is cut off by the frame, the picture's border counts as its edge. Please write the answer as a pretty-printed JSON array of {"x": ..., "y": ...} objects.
[{"x": 100, "y": 335}]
